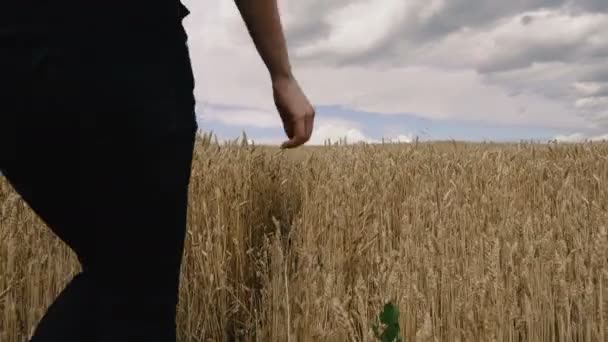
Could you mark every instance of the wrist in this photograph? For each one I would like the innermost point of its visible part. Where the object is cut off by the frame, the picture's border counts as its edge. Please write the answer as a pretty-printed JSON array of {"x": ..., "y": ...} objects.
[{"x": 281, "y": 76}]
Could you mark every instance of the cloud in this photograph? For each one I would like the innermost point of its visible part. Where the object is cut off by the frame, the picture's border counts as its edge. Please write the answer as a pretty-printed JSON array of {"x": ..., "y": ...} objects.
[
  {"x": 552, "y": 36},
  {"x": 403, "y": 138},
  {"x": 534, "y": 63},
  {"x": 580, "y": 137},
  {"x": 336, "y": 133},
  {"x": 346, "y": 29},
  {"x": 592, "y": 102},
  {"x": 592, "y": 89},
  {"x": 336, "y": 129},
  {"x": 240, "y": 116}
]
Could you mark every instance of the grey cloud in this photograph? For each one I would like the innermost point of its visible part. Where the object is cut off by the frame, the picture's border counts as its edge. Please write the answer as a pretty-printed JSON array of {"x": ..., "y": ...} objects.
[
  {"x": 302, "y": 34},
  {"x": 479, "y": 14},
  {"x": 476, "y": 15},
  {"x": 594, "y": 72},
  {"x": 596, "y": 115},
  {"x": 556, "y": 51},
  {"x": 513, "y": 65},
  {"x": 600, "y": 120},
  {"x": 312, "y": 20},
  {"x": 590, "y": 5},
  {"x": 555, "y": 81},
  {"x": 526, "y": 19},
  {"x": 560, "y": 51},
  {"x": 596, "y": 97},
  {"x": 602, "y": 92}
]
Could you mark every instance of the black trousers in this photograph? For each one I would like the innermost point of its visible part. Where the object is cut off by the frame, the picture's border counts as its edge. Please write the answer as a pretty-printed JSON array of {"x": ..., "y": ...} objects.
[
  {"x": 122, "y": 208},
  {"x": 119, "y": 201}
]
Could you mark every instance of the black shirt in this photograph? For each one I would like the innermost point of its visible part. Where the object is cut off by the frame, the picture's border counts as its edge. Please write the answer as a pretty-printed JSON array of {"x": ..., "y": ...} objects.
[{"x": 108, "y": 67}]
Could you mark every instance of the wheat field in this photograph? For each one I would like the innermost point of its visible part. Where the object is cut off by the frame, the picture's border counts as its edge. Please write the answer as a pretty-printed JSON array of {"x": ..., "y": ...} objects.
[{"x": 472, "y": 242}]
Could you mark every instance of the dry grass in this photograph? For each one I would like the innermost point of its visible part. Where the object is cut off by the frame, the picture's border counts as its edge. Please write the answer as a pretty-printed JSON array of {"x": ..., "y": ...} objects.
[{"x": 474, "y": 242}]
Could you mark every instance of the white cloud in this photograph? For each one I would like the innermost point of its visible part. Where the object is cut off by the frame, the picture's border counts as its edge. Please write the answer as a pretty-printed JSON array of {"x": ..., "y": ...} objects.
[
  {"x": 336, "y": 129},
  {"x": 403, "y": 138},
  {"x": 600, "y": 137},
  {"x": 336, "y": 133},
  {"x": 592, "y": 102},
  {"x": 580, "y": 137},
  {"x": 574, "y": 137},
  {"x": 586, "y": 89}
]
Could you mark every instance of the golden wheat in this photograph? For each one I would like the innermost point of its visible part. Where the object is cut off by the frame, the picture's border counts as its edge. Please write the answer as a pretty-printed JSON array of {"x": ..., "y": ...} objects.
[{"x": 474, "y": 242}]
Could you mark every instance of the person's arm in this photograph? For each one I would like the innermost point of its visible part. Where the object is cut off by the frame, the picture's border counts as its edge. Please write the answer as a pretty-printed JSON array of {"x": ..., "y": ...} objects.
[{"x": 264, "y": 24}]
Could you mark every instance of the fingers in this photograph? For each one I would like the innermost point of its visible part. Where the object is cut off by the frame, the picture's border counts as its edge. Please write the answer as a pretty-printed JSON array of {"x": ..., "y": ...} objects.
[
  {"x": 288, "y": 126},
  {"x": 297, "y": 114},
  {"x": 302, "y": 129},
  {"x": 300, "y": 137},
  {"x": 310, "y": 119}
]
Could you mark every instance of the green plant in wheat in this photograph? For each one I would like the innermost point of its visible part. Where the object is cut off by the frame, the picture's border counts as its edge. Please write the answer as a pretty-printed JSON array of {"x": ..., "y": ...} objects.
[{"x": 389, "y": 321}]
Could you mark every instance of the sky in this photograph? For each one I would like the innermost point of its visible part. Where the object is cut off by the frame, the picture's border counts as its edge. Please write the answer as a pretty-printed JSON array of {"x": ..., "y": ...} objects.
[{"x": 474, "y": 70}]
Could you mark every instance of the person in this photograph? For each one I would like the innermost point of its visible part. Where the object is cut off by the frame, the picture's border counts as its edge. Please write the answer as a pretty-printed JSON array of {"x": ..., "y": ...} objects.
[{"x": 97, "y": 135}]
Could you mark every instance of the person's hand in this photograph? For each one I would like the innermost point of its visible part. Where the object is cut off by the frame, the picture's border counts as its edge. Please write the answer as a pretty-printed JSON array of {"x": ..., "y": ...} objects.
[{"x": 296, "y": 111}]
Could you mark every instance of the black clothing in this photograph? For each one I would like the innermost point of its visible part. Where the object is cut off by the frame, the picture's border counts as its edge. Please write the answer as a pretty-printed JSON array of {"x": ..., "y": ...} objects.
[
  {"x": 97, "y": 126},
  {"x": 114, "y": 68},
  {"x": 121, "y": 207}
]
